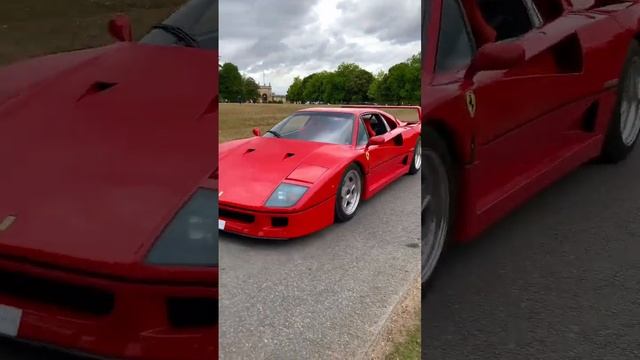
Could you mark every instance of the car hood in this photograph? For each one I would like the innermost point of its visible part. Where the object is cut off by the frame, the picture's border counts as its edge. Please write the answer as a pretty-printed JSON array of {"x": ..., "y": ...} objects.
[
  {"x": 251, "y": 169},
  {"x": 97, "y": 156}
]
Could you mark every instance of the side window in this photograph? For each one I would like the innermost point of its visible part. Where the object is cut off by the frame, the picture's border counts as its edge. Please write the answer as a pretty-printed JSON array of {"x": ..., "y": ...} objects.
[
  {"x": 363, "y": 137},
  {"x": 455, "y": 46},
  {"x": 510, "y": 18},
  {"x": 379, "y": 125},
  {"x": 390, "y": 123}
]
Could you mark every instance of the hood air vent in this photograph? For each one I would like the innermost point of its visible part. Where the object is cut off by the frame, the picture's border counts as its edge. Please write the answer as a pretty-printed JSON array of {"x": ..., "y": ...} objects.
[
  {"x": 97, "y": 87},
  {"x": 288, "y": 155}
]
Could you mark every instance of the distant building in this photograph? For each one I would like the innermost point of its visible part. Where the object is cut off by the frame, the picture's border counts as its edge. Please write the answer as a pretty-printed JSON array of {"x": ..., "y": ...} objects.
[
  {"x": 266, "y": 93},
  {"x": 279, "y": 98}
]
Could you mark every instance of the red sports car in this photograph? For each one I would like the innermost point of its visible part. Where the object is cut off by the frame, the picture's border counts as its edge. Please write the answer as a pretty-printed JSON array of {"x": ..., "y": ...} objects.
[
  {"x": 516, "y": 94},
  {"x": 311, "y": 169},
  {"x": 108, "y": 191}
]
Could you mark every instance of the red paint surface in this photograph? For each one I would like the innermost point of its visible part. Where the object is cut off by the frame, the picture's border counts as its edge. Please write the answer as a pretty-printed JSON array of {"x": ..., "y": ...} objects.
[
  {"x": 251, "y": 169},
  {"x": 527, "y": 131},
  {"x": 93, "y": 178}
]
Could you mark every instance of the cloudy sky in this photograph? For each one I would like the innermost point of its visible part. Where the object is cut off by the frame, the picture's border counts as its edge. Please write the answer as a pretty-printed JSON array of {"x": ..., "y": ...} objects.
[{"x": 288, "y": 38}]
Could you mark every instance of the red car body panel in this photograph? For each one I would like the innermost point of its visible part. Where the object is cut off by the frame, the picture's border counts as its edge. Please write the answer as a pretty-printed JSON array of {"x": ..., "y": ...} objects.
[
  {"x": 100, "y": 149},
  {"x": 251, "y": 169},
  {"x": 533, "y": 123}
]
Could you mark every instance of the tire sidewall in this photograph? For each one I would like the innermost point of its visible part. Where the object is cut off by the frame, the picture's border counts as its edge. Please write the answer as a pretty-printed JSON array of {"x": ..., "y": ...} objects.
[
  {"x": 432, "y": 141},
  {"x": 340, "y": 215},
  {"x": 413, "y": 170},
  {"x": 614, "y": 148}
]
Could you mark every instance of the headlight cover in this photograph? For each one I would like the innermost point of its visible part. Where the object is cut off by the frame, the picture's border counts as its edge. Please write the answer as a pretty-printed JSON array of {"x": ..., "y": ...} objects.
[
  {"x": 286, "y": 195},
  {"x": 191, "y": 239}
]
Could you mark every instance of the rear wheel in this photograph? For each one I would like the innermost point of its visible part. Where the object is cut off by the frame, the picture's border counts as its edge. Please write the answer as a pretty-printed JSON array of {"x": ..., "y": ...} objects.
[
  {"x": 349, "y": 194},
  {"x": 438, "y": 192},
  {"x": 622, "y": 134}
]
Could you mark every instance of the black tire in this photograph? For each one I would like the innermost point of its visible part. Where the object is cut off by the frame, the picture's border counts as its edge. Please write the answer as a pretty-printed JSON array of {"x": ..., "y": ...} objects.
[
  {"x": 434, "y": 144},
  {"x": 416, "y": 167},
  {"x": 340, "y": 214},
  {"x": 615, "y": 149}
]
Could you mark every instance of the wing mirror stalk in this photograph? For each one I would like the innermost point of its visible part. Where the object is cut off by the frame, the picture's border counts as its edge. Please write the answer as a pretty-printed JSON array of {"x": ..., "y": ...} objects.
[{"x": 495, "y": 56}]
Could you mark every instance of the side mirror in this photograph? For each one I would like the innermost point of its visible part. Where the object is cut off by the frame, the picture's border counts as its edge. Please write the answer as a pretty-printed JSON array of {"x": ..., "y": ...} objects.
[
  {"x": 496, "y": 56},
  {"x": 256, "y": 132},
  {"x": 120, "y": 28},
  {"x": 376, "y": 140}
]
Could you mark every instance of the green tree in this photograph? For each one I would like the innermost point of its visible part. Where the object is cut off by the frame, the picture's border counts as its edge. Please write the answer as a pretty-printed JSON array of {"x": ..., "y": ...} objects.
[
  {"x": 332, "y": 88},
  {"x": 350, "y": 83},
  {"x": 374, "y": 89},
  {"x": 230, "y": 83},
  {"x": 250, "y": 89},
  {"x": 296, "y": 90},
  {"x": 401, "y": 85},
  {"x": 353, "y": 83},
  {"x": 314, "y": 89}
]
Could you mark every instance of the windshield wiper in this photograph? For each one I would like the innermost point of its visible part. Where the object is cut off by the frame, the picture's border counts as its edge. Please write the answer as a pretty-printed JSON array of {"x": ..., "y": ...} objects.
[
  {"x": 179, "y": 34},
  {"x": 275, "y": 133}
]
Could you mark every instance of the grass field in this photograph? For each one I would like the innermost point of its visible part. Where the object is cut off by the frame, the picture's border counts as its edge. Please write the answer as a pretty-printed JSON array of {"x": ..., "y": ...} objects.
[
  {"x": 410, "y": 348},
  {"x": 237, "y": 120},
  {"x": 31, "y": 28}
]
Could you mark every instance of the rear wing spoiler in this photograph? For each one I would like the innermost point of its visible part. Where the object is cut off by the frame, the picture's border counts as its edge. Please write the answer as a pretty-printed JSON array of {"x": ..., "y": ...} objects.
[{"x": 389, "y": 107}]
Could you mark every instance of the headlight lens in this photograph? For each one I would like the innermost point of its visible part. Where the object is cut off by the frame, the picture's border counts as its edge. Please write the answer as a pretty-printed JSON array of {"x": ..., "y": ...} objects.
[
  {"x": 286, "y": 195},
  {"x": 191, "y": 239}
]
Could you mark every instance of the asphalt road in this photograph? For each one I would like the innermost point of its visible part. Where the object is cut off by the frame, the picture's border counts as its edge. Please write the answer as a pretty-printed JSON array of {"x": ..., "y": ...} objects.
[
  {"x": 323, "y": 296},
  {"x": 558, "y": 279}
]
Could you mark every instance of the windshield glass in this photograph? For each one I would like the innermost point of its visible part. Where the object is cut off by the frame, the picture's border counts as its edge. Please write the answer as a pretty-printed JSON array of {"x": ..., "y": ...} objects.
[
  {"x": 333, "y": 128},
  {"x": 199, "y": 18}
]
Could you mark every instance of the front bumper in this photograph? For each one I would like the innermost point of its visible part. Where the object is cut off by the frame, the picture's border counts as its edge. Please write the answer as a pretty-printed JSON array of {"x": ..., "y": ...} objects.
[
  {"x": 276, "y": 225},
  {"x": 111, "y": 318}
]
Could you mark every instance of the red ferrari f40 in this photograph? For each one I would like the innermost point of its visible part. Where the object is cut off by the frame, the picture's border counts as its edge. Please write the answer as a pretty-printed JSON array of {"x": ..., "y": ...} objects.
[
  {"x": 311, "y": 169},
  {"x": 516, "y": 94},
  {"x": 108, "y": 190}
]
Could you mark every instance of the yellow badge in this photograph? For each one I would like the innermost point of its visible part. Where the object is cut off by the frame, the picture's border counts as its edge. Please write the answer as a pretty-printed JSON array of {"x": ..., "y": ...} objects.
[
  {"x": 367, "y": 155},
  {"x": 472, "y": 105}
]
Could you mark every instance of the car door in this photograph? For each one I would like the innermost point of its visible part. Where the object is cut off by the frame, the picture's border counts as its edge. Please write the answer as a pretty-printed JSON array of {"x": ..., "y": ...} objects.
[
  {"x": 395, "y": 139},
  {"x": 519, "y": 114},
  {"x": 379, "y": 156}
]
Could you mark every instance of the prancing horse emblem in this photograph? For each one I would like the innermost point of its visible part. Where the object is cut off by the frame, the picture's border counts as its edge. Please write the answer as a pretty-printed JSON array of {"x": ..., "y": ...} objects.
[
  {"x": 366, "y": 154},
  {"x": 472, "y": 105},
  {"x": 6, "y": 223}
]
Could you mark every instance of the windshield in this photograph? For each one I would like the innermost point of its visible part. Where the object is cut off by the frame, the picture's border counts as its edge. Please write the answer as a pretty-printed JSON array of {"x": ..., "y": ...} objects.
[
  {"x": 333, "y": 128},
  {"x": 198, "y": 18}
]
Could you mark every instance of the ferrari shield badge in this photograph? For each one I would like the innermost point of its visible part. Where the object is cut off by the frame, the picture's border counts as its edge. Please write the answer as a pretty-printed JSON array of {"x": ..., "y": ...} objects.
[
  {"x": 366, "y": 154},
  {"x": 6, "y": 223},
  {"x": 472, "y": 105}
]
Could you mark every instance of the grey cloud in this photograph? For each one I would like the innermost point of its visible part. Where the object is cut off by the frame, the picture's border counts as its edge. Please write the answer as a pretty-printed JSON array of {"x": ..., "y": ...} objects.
[
  {"x": 286, "y": 37},
  {"x": 397, "y": 21}
]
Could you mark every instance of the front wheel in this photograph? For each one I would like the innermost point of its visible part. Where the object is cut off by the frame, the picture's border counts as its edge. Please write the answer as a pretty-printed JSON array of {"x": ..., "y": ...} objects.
[
  {"x": 437, "y": 200},
  {"x": 416, "y": 162},
  {"x": 622, "y": 134},
  {"x": 349, "y": 194}
]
